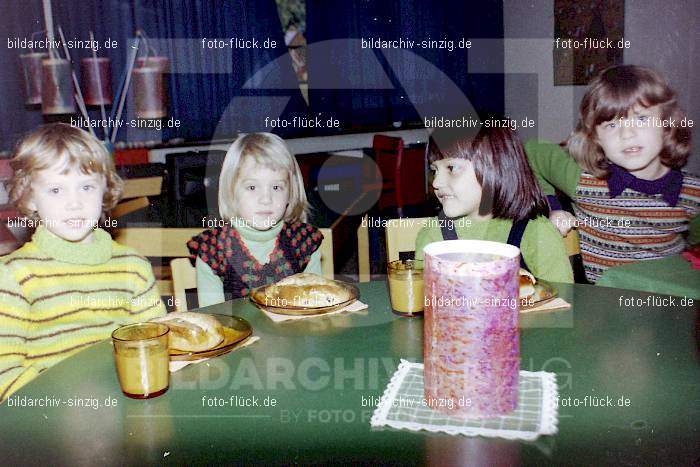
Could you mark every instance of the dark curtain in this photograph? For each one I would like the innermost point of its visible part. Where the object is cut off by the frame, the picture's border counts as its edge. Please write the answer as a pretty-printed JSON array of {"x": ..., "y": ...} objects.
[
  {"x": 218, "y": 92},
  {"x": 378, "y": 87},
  {"x": 21, "y": 18},
  {"x": 214, "y": 93}
]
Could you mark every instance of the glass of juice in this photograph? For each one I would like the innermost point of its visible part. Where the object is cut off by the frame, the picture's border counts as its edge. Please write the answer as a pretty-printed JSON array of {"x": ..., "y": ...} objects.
[
  {"x": 406, "y": 287},
  {"x": 142, "y": 359},
  {"x": 470, "y": 335}
]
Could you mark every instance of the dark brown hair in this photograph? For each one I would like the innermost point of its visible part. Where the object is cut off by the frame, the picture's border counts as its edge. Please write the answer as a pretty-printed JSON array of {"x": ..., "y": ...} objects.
[
  {"x": 613, "y": 94},
  {"x": 509, "y": 188}
]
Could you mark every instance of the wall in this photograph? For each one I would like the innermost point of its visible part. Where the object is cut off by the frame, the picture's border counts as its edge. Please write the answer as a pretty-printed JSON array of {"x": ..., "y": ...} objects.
[{"x": 661, "y": 35}]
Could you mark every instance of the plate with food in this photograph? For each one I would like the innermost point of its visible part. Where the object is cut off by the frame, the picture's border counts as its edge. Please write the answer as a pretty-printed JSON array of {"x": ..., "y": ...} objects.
[
  {"x": 194, "y": 336},
  {"x": 304, "y": 294},
  {"x": 534, "y": 292}
]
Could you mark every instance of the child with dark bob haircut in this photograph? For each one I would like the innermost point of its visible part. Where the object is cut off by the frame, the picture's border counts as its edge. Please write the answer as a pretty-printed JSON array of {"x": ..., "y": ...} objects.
[
  {"x": 622, "y": 168},
  {"x": 488, "y": 192}
]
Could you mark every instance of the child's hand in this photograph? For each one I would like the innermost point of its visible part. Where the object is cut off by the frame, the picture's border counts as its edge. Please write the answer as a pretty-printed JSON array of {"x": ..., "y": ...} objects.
[{"x": 563, "y": 221}]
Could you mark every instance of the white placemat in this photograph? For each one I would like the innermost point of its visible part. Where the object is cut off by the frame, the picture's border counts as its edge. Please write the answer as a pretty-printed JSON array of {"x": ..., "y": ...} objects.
[
  {"x": 556, "y": 304},
  {"x": 401, "y": 407}
]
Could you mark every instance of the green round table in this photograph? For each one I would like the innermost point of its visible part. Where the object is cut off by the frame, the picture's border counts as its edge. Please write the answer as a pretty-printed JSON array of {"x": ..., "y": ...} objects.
[
  {"x": 300, "y": 394},
  {"x": 673, "y": 275}
]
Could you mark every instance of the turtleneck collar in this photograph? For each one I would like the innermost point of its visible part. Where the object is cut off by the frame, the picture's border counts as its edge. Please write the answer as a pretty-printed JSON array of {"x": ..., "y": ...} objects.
[
  {"x": 96, "y": 252},
  {"x": 254, "y": 235}
]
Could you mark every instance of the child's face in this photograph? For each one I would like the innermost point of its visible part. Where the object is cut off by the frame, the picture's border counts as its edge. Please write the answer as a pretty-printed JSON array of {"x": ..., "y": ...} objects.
[
  {"x": 634, "y": 143},
  {"x": 69, "y": 204},
  {"x": 456, "y": 187},
  {"x": 262, "y": 194}
]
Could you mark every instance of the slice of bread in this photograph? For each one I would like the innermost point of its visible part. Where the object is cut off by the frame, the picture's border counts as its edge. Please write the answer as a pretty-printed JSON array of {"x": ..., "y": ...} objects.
[{"x": 192, "y": 332}]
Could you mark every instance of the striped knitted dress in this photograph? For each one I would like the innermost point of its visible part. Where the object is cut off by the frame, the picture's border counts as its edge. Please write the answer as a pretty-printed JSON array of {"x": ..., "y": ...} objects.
[
  {"x": 630, "y": 227},
  {"x": 58, "y": 297}
]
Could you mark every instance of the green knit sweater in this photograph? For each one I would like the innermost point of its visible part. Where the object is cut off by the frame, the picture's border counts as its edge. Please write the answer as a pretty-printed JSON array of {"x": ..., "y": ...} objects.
[
  {"x": 59, "y": 297},
  {"x": 542, "y": 246}
]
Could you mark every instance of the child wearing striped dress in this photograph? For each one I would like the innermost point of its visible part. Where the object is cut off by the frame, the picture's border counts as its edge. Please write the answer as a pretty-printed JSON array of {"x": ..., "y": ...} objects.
[
  {"x": 71, "y": 285},
  {"x": 622, "y": 168}
]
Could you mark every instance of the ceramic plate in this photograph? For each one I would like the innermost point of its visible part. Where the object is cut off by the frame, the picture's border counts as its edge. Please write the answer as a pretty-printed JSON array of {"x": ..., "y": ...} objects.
[
  {"x": 236, "y": 330},
  {"x": 300, "y": 310},
  {"x": 544, "y": 292}
]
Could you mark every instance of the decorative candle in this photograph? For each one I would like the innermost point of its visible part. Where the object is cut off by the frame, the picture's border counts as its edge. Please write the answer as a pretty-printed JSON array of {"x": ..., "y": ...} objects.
[{"x": 471, "y": 340}]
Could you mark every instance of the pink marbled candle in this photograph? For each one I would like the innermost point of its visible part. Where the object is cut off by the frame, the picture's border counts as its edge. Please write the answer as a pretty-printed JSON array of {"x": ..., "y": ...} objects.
[{"x": 471, "y": 338}]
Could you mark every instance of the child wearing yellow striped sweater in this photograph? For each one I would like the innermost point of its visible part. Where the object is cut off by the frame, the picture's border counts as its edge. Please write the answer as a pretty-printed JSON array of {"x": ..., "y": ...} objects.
[{"x": 71, "y": 285}]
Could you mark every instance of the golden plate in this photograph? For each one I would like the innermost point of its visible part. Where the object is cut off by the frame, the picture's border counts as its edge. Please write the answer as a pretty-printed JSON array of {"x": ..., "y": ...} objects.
[
  {"x": 544, "y": 292},
  {"x": 301, "y": 310},
  {"x": 236, "y": 330}
]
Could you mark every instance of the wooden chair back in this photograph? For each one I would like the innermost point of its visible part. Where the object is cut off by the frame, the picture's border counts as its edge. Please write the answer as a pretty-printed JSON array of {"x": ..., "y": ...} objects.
[
  {"x": 143, "y": 186},
  {"x": 327, "y": 266},
  {"x": 401, "y": 235},
  {"x": 158, "y": 243},
  {"x": 363, "y": 250},
  {"x": 135, "y": 194},
  {"x": 126, "y": 207},
  {"x": 572, "y": 243},
  {"x": 184, "y": 278}
]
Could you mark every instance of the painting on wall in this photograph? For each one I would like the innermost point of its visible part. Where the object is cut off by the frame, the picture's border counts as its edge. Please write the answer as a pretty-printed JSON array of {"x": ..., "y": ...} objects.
[{"x": 588, "y": 37}]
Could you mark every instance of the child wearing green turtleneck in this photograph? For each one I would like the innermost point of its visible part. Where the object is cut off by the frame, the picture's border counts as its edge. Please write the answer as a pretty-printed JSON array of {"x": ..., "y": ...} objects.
[
  {"x": 488, "y": 192},
  {"x": 261, "y": 193},
  {"x": 71, "y": 285}
]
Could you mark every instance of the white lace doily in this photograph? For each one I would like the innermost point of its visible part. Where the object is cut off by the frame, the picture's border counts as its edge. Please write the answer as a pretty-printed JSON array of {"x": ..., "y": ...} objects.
[{"x": 402, "y": 407}]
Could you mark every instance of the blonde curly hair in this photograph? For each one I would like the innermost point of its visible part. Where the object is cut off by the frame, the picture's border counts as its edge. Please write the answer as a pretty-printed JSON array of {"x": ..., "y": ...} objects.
[
  {"x": 62, "y": 147},
  {"x": 266, "y": 149}
]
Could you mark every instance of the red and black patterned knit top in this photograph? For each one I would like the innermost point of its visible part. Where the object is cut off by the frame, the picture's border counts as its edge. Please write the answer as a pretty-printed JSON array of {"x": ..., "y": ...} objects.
[{"x": 229, "y": 258}]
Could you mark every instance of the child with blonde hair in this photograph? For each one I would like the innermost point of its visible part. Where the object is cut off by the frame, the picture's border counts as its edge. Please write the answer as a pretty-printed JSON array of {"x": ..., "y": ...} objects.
[
  {"x": 488, "y": 192},
  {"x": 622, "y": 168},
  {"x": 266, "y": 237},
  {"x": 71, "y": 285}
]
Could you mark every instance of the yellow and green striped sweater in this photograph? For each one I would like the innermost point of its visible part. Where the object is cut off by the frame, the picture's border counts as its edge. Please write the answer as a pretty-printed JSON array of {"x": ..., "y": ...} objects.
[{"x": 58, "y": 297}]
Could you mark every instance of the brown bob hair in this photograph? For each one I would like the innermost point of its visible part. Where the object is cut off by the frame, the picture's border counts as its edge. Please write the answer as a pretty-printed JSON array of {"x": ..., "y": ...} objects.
[
  {"x": 62, "y": 147},
  {"x": 509, "y": 188},
  {"x": 612, "y": 95}
]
